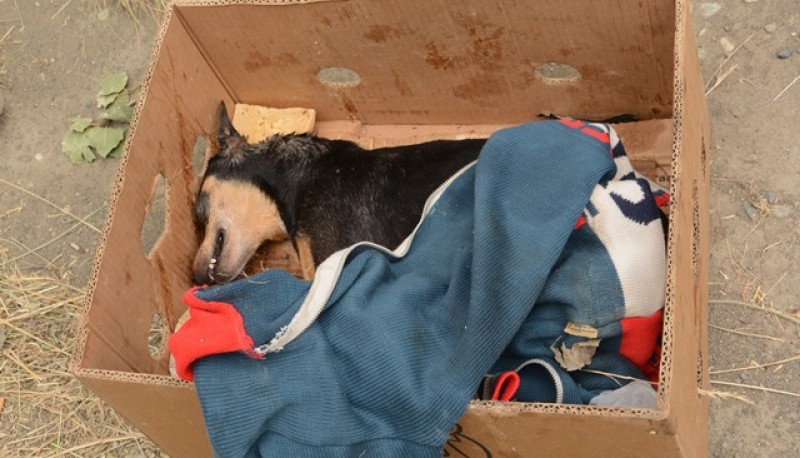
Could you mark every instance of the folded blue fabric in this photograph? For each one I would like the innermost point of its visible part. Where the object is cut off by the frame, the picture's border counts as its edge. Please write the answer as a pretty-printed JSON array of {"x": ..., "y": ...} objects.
[{"x": 400, "y": 345}]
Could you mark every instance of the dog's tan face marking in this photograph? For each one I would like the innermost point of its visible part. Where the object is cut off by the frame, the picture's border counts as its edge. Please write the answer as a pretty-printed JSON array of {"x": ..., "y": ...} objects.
[{"x": 240, "y": 219}]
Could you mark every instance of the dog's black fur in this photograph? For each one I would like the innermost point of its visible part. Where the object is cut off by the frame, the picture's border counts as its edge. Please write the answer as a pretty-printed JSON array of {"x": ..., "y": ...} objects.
[{"x": 333, "y": 191}]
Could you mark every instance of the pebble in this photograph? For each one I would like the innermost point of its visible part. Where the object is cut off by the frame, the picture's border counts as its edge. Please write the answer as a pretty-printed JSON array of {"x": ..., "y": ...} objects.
[
  {"x": 743, "y": 376},
  {"x": 771, "y": 197},
  {"x": 738, "y": 112},
  {"x": 38, "y": 157},
  {"x": 750, "y": 211},
  {"x": 771, "y": 27},
  {"x": 786, "y": 53},
  {"x": 727, "y": 46},
  {"x": 709, "y": 9}
]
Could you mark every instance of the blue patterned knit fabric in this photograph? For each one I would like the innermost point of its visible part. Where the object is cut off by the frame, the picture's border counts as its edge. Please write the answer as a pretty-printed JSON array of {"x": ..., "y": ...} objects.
[{"x": 392, "y": 362}]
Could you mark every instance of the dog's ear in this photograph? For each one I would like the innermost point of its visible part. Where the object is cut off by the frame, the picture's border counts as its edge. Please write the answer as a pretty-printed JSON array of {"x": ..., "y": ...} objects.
[{"x": 226, "y": 134}]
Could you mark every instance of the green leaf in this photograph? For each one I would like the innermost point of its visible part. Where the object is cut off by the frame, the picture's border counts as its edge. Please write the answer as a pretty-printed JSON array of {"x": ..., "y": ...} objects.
[
  {"x": 117, "y": 152},
  {"x": 114, "y": 84},
  {"x": 120, "y": 149},
  {"x": 79, "y": 123},
  {"x": 120, "y": 110},
  {"x": 76, "y": 147},
  {"x": 106, "y": 100},
  {"x": 104, "y": 139}
]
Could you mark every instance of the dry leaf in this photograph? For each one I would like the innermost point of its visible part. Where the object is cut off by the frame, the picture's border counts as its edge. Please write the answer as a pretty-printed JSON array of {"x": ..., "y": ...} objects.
[{"x": 576, "y": 357}]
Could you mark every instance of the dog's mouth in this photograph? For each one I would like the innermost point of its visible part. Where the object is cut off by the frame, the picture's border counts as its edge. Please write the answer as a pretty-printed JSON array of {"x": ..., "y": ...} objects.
[{"x": 219, "y": 243}]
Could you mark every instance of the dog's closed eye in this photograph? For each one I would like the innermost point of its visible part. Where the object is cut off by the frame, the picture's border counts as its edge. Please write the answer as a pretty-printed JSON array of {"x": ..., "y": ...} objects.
[{"x": 201, "y": 209}]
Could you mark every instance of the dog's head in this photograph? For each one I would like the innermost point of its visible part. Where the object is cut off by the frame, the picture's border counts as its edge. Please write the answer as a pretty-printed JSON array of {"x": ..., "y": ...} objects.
[{"x": 234, "y": 213}]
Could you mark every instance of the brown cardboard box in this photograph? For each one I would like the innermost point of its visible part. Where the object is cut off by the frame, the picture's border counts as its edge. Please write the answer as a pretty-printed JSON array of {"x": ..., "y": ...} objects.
[{"x": 402, "y": 71}]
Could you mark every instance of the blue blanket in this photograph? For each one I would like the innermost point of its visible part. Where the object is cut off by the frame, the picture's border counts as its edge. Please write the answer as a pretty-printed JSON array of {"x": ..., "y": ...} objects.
[{"x": 381, "y": 354}]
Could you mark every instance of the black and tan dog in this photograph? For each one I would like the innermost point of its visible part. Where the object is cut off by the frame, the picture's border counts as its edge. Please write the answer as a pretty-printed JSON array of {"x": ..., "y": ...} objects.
[{"x": 323, "y": 195}]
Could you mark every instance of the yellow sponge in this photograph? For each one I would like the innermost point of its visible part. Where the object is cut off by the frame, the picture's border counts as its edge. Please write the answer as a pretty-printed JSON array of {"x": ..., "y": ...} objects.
[{"x": 258, "y": 123}]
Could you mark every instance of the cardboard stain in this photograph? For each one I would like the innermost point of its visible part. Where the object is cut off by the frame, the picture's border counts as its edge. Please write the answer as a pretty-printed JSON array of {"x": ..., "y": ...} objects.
[{"x": 424, "y": 70}]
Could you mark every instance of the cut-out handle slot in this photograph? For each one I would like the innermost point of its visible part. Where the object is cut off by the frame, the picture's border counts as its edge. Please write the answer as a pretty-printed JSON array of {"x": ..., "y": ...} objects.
[
  {"x": 200, "y": 154},
  {"x": 157, "y": 336},
  {"x": 155, "y": 218},
  {"x": 557, "y": 73}
]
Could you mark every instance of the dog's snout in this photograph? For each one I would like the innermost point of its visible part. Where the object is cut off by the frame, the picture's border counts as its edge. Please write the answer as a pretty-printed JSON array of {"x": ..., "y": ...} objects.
[
  {"x": 218, "y": 244},
  {"x": 207, "y": 273},
  {"x": 201, "y": 277}
]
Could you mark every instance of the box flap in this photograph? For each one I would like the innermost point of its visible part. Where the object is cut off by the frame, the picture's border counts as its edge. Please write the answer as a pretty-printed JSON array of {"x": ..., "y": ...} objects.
[{"x": 422, "y": 62}]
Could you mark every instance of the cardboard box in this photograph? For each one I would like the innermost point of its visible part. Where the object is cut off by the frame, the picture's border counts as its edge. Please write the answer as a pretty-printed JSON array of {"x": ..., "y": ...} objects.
[{"x": 403, "y": 71}]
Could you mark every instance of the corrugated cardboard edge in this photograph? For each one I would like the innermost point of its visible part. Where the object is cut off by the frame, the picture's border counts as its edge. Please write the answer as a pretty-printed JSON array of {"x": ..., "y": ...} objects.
[
  {"x": 690, "y": 438},
  {"x": 685, "y": 343},
  {"x": 682, "y": 410},
  {"x": 100, "y": 381},
  {"x": 104, "y": 383},
  {"x": 82, "y": 330}
]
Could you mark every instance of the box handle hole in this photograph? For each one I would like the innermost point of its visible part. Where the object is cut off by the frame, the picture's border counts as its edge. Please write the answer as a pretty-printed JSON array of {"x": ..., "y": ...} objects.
[
  {"x": 157, "y": 336},
  {"x": 695, "y": 231},
  {"x": 155, "y": 218},
  {"x": 557, "y": 73},
  {"x": 200, "y": 154},
  {"x": 338, "y": 77}
]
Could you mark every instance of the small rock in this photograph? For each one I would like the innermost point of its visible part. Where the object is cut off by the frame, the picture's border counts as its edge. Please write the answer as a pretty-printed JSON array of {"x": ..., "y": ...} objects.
[
  {"x": 771, "y": 27},
  {"x": 743, "y": 376},
  {"x": 709, "y": 9},
  {"x": 103, "y": 14},
  {"x": 727, "y": 46},
  {"x": 750, "y": 211},
  {"x": 738, "y": 112},
  {"x": 771, "y": 197},
  {"x": 786, "y": 53},
  {"x": 38, "y": 157}
]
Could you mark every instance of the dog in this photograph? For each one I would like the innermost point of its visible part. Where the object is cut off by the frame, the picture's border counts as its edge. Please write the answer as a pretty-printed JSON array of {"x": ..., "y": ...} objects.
[{"x": 322, "y": 195}]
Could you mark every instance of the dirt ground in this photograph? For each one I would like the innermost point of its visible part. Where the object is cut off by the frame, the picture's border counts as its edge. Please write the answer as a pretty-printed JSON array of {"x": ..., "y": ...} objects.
[{"x": 55, "y": 53}]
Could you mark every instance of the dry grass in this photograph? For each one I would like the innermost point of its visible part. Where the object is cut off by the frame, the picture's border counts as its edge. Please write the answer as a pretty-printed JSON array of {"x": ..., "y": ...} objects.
[
  {"x": 137, "y": 8},
  {"x": 44, "y": 410}
]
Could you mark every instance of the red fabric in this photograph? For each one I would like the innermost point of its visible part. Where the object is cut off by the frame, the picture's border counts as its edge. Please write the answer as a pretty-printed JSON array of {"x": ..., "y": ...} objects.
[
  {"x": 506, "y": 386},
  {"x": 641, "y": 342},
  {"x": 583, "y": 128},
  {"x": 573, "y": 123},
  {"x": 602, "y": 136},
  {"x": 212, "y": 328},
  {"x": 580, "y": 223},
  {"x": 662, "y": 200}
]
